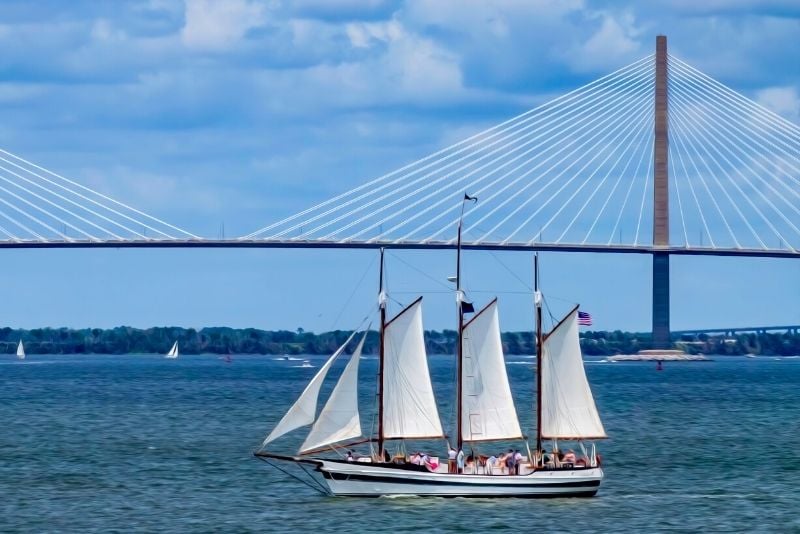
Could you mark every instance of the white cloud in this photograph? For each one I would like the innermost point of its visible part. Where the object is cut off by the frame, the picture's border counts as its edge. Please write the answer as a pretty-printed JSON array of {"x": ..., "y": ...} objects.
[
  {"x": 784, "y": 101},
  {"x": 215, "y": 25},
  {"x": 613, "y": 44}
]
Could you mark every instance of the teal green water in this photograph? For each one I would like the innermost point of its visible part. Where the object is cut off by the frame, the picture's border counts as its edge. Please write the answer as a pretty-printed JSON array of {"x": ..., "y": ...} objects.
[{"x": 139, "y": 443}]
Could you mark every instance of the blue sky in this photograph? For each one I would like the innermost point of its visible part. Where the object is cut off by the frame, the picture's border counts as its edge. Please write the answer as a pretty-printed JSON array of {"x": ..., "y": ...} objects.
[{"x": 241, "y": 112}]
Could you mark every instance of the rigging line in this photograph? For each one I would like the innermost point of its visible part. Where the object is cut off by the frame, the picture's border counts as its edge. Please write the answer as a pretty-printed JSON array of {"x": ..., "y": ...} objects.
[
  {"x": 104, "y": 197},
  {"x": 68, "y": 199},
  {"x": 420, "y": 271},
  {"x": 633, "y": 153},
  {"x": 723, "y": 90},
  {"x": 679, "y": 149},
  {"x": 621, "y": 118},
  {"x": 674, "y": 176},
  {"x": 353, "y": 292},
  {"x": 584, "y": 141},
  {"x": 551, "y": 141},
  {"x": 724, "y": 116},
  {"x": 79, "y": 230},
  {"x": 34, "y": 206},
  {"x": 687, "y": 128},
  {"x": 630, "y": 187},
  {"x": 741, "y": 122},
  {"x": 19, "y": 224},
  {"x": 630, "y": 135},
  {"x": 479, "y": 135},
  {"x": 738, "y": 171},
  {"x": 426, "y": 184},
  {"x": 644, "y": 195}
]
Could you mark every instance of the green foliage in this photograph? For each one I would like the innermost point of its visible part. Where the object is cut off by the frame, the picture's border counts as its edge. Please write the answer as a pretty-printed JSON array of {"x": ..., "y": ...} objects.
[{"x": 223, "y": 340}]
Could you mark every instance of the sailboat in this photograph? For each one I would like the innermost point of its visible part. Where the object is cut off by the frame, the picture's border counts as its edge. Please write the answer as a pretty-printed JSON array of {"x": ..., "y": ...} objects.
[
  {"x": 407, "y": 411},
  {"x": 173, "y": 352},
  {"x": 20, "y": 351}
]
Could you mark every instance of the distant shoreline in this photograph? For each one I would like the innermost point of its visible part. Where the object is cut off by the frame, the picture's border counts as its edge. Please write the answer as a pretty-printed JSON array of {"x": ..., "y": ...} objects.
[{"x": 224, "y": 340}]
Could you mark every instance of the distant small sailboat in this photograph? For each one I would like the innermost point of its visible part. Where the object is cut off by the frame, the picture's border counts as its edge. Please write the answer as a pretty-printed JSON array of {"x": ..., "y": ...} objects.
[
  {"x": 173, "y": 352},
  {"x": 306, "y": 363},
  {"x": 20, "y": 351}
]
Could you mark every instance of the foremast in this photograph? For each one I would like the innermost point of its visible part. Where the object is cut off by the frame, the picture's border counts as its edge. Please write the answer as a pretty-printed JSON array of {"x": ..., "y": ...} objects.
[
  {"x": 382, "y": 352},
  {"x": 537, "y": 296}
]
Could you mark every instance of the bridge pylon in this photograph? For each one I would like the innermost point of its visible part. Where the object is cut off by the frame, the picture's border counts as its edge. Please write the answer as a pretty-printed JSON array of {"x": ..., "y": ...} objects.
[{"x": 661, "y": 332}]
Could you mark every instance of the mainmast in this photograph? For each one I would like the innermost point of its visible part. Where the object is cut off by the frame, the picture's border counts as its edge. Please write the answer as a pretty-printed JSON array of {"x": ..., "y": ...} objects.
[
  {"x": 460, "y": 344},
  {"x": 382, "y": 305},
  {"x": 538, "y": 301}
]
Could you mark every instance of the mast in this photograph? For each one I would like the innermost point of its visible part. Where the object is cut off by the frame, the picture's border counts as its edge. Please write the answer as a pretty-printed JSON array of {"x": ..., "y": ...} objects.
[
  {"x": 382, "y": 305},
  {"x": 539, "y": 339},
  {"x": 460, "y": 343}
]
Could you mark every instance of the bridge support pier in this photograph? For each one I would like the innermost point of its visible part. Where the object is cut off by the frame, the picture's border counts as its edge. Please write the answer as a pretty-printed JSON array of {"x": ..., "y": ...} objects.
[{"x": 661, "y": 333}]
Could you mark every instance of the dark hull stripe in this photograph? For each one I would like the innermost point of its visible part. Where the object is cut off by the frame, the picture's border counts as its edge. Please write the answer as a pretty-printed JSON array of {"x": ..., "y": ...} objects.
[
  {"x": 554, "y": 485},
  {"x": 577, "y": 494}
]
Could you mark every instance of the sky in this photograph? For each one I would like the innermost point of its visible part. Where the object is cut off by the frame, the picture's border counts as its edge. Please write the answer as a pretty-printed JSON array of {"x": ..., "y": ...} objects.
[{"x": 227, "y": 116}]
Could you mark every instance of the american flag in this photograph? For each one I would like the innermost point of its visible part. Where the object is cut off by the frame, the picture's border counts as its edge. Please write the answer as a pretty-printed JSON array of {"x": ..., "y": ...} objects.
[{"x": 584, "y": 319}]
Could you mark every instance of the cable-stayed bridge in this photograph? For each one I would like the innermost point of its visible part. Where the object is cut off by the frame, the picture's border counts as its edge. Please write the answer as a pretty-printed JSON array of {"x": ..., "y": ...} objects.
[{"x": 655, "y": 158}]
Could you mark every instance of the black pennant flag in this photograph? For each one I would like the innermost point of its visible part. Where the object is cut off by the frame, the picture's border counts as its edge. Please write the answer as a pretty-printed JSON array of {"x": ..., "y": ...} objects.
[
  {"x": 467, "y": 307},
  {"x": 467, "y": 197}
]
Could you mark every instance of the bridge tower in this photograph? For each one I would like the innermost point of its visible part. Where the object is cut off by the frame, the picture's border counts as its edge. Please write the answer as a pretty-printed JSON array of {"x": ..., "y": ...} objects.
[{"x": 661, "y": 333}]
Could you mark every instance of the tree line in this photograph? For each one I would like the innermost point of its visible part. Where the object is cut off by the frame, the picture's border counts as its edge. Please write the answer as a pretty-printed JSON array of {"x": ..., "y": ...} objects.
[{"x": 223, "y": 340}]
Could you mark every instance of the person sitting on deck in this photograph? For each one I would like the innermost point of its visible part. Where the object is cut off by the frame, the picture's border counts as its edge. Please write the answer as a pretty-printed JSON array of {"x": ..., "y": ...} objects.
[
  {"x": 569, "y": 458},
  {"x": 415, "y": 459},
  {"x": 350, "y": 456}
]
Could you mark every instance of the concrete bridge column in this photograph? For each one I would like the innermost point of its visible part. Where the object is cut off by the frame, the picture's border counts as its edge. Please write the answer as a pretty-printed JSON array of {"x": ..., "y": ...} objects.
[{"x": 661, "y": 333}]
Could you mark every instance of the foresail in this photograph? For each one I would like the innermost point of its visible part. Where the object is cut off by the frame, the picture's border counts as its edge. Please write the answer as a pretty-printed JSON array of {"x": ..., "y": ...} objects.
[
  {"x": 303, "y": 411},
  {"x": 409, "y": 407},
  {"x": 488, "y": 411},
  {"x": 568, "y": 408},
  {"x": 339, "y": 419}
]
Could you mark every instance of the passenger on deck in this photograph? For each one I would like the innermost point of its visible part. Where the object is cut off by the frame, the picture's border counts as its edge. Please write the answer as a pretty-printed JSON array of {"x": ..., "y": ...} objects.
[
  {"x": 569, "y": 458},
  {"x": 460, "y": 461},
  {"x": 491, "y": 461},
  {"x": 451, "y": 460},
  {"x": 511, "y": 462},
  {"x": 415, "y": 459},
  {"x": 350, "y": 456},
  {"x": 517, "y": 461}
]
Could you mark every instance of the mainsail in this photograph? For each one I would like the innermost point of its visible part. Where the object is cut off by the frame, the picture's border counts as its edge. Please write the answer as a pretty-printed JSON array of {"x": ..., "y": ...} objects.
[
  {"x": 339, "y": 419},
  {"x": 568, "y": 409},
  {"x": 304, "y": 409},
  {"x": 409, "y": 407},
  {"x": 173, "y": 352},
  {"x": 488, "y": 411},
  {"x": 20, "y": 351}
]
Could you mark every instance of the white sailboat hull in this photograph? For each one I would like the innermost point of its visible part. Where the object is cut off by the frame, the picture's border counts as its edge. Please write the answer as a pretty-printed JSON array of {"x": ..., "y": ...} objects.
[{"x": 365, "y": 480}]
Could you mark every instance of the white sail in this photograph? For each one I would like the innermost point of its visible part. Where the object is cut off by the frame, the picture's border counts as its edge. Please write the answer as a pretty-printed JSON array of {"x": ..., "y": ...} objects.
[
  {"x": 568, "y": 408},
  {"x": 304, "y": 410},
  {"x": 339, "y": 419},
  {"x": 487, "y": 411},
  {"x": 20, "y": 351},
  {"x": 173, "y": 352},
  {"x": 409, "y": 407}
]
